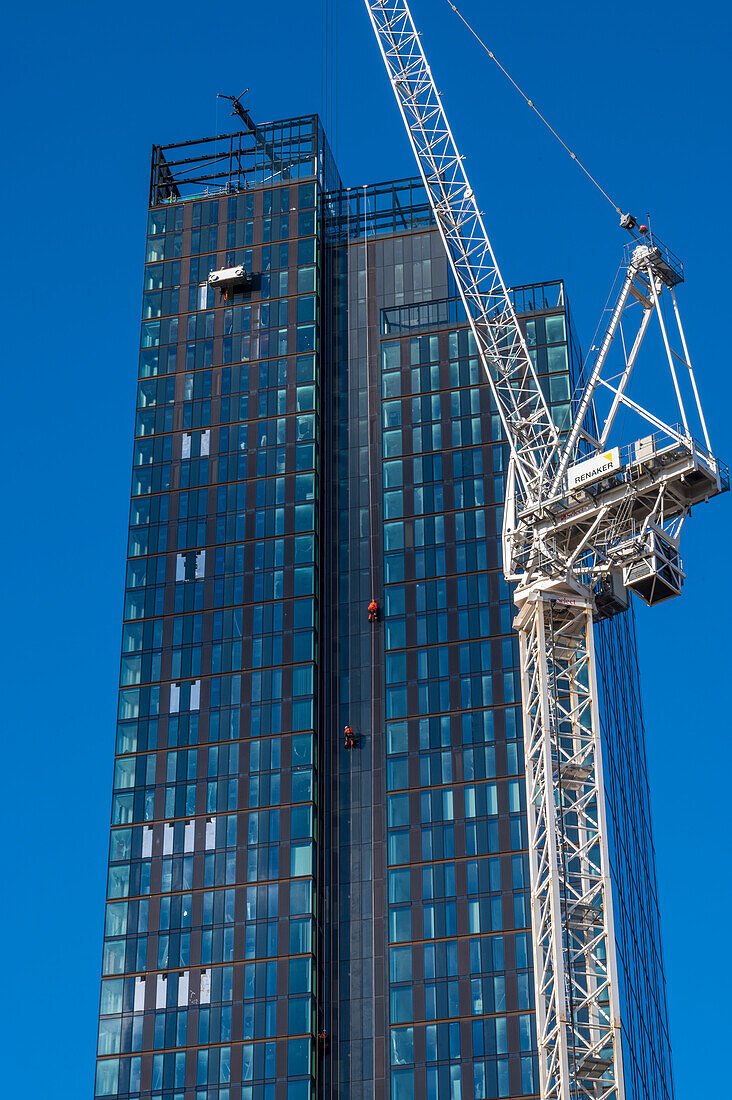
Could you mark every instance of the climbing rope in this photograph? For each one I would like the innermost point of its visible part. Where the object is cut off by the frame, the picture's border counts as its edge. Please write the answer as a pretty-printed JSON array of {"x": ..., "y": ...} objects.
[{"x": 536, "y": 110}]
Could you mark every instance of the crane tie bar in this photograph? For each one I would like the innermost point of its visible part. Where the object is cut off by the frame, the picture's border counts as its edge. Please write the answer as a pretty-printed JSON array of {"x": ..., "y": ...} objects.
[{"x": 535, "y": 108}]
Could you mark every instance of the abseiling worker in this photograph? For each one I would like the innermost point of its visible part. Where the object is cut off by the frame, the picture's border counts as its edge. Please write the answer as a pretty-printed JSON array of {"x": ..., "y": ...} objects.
[{"x": 373, "y": 612}]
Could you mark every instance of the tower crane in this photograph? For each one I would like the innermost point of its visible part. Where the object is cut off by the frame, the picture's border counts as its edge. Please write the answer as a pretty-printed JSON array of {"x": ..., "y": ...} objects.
[{"x": 586, "y": 519}]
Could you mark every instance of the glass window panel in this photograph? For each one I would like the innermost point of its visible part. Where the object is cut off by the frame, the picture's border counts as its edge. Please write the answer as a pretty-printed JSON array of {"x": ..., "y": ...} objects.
[
  {"x": 402, "y": 1046},
  {"x": 111, "y": 999},
  {"x": 107, "y": 1077},
  {"x": 399, "y": 886},
  {"x": 556, "y": 358},
  {"x": 391, "y": 356},
  {"x": 555, "y": 329},
  {"x": 400, "y": 964},
  {"x": 402, "y": 1084},
  {"x": 400, "y": 925},
  {"x": 559, "y": 387},
  {"x": 401, "y": 1006},
  {"x": 301, "y": 859}
]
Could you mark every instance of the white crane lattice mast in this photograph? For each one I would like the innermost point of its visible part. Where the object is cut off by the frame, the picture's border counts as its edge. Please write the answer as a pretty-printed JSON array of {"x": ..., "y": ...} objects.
[{"x": 561, "y": 540}]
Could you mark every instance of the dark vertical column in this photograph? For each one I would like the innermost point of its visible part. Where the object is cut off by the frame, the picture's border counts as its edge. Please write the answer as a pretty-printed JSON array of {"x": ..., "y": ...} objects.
[
  {"x": 334, "y": 588},
  {"x": 375, "y": 640},
  {"x": 355, "y": 910},
  {"x": 646, "y": 1046}
]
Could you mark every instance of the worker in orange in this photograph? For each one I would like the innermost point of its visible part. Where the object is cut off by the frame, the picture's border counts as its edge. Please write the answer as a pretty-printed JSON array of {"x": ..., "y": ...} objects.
[
  {"x": 349, "y": 738},
  {"x": 373, "y": 612}
]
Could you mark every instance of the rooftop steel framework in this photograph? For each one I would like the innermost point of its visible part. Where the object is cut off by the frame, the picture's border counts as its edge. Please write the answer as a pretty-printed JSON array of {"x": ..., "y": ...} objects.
[{"x": 274, "y": 152}]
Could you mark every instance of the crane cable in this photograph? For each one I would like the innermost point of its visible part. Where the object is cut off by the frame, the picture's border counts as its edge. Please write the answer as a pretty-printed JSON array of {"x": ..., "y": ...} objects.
[{"x": 534, "y": 107}]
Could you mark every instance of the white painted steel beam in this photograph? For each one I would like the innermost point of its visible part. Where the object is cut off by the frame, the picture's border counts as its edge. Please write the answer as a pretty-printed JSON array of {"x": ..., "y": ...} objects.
[{"x": 578, "y": 1020}]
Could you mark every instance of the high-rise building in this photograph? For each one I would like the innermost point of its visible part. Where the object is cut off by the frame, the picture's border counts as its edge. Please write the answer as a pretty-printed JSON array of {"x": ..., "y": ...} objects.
[{"x": 294, "y": 911}]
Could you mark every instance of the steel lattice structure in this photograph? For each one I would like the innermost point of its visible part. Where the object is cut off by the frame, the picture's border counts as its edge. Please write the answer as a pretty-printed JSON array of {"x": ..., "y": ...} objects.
[
  {"x": 578, "y": 1020},
  {"x": 575, "y": 538}
]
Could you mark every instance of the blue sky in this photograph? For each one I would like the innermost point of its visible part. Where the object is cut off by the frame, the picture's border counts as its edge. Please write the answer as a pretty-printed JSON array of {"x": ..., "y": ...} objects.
[{"x": 641, "y": 93}]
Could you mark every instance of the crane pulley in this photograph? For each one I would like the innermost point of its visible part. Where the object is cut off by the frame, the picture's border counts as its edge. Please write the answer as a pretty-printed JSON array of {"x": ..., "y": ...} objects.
[{"x": 585, "y": 519}]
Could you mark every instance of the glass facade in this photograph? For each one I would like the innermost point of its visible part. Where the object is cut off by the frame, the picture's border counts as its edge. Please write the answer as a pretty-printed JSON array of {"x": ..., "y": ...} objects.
[
  {"x": 646, "y": 1045},
  {"x": 289, "y": 917}
]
